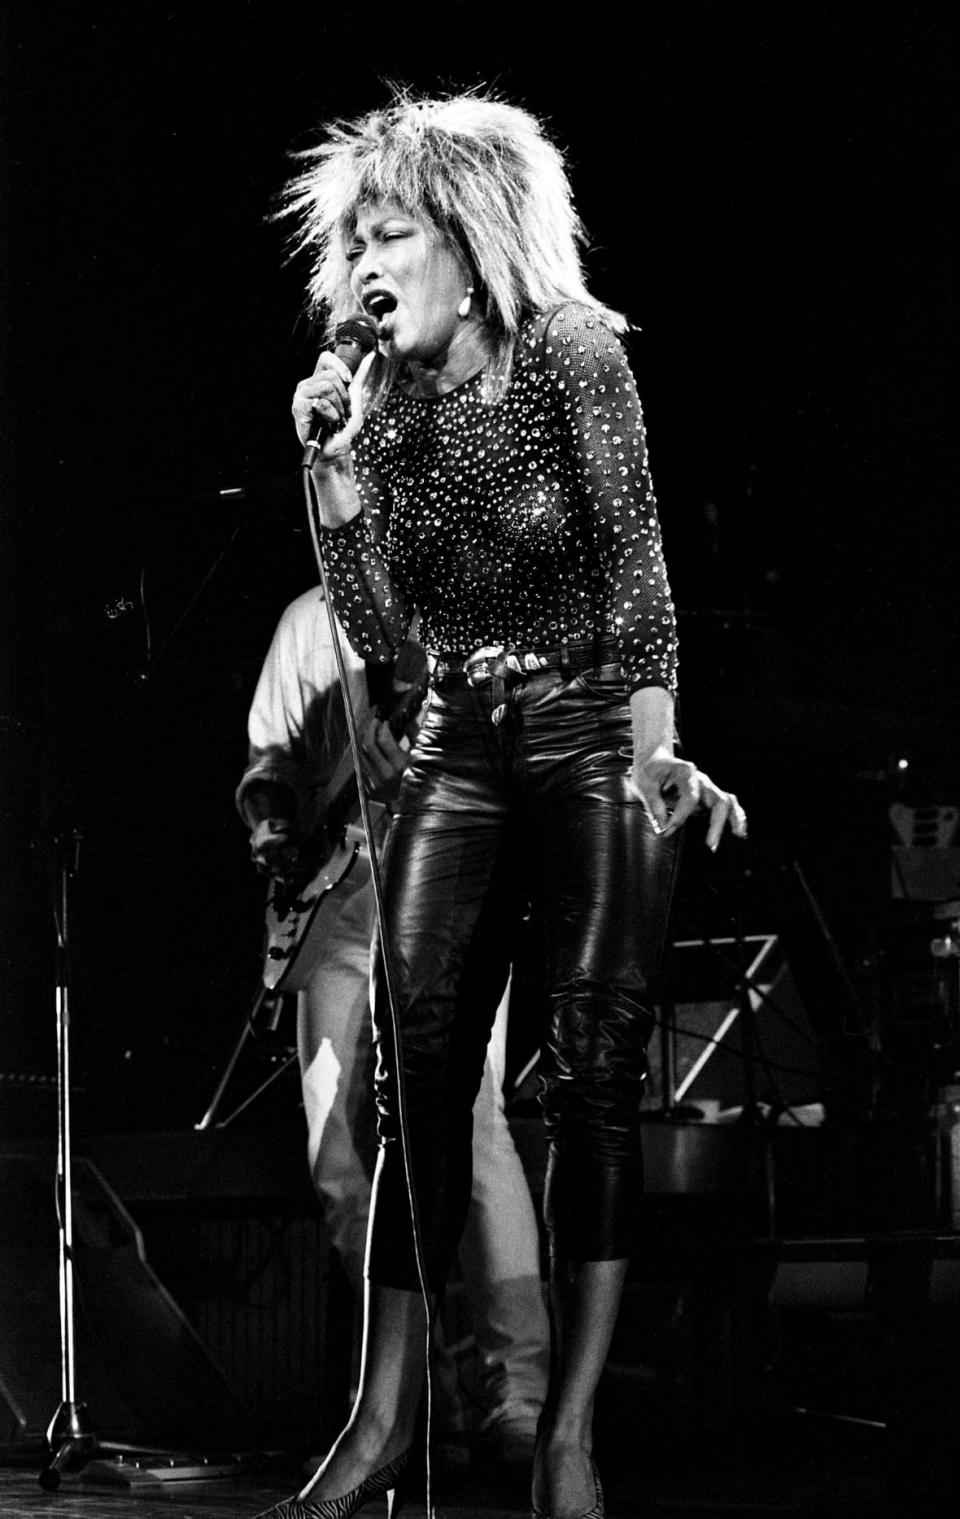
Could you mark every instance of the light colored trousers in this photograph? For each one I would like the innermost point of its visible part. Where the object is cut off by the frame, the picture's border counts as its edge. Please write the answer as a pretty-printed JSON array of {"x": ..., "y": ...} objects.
[{"x": 499, "y": 1251}]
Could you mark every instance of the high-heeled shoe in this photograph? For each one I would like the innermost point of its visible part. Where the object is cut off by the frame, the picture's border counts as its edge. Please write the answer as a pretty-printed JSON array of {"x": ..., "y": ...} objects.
[
  {"x": 392, "y": 1479},
  {"x": 596, "y": 1512}
]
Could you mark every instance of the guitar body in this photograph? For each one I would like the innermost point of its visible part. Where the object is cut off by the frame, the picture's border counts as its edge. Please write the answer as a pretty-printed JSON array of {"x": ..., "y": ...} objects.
[{"x": 293, "y": 929}]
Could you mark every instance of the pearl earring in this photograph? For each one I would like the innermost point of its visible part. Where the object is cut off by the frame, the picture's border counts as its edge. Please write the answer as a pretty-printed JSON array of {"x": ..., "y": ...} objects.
[{"x": 464, "y": 307}]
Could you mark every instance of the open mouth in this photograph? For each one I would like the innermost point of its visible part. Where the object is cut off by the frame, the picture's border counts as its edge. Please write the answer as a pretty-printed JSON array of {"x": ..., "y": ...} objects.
[{"x": 380, "y": 304}]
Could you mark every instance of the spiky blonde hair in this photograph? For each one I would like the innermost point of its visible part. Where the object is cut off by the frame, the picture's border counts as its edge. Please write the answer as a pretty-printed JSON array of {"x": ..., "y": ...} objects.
[{"x": 479, "y": 171}]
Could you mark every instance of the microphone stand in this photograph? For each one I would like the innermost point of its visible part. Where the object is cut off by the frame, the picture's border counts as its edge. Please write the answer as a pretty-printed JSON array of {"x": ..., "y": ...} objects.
[
  {"x": 71, "y": 1437},
  {"x": 70, "y": 1432}
]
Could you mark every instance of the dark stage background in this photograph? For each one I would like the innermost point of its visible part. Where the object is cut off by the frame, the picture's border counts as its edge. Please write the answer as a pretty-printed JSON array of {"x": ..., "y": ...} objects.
[{"x": 769, "y": 193}]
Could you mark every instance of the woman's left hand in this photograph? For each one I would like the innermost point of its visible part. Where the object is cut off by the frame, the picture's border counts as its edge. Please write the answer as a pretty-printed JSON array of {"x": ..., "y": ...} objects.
[{"x": 672, "y": 789}]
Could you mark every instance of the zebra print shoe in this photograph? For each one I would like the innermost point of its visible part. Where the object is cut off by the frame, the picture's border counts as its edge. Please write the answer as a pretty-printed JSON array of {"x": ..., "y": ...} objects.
[{"x": 390, "y": 1479}]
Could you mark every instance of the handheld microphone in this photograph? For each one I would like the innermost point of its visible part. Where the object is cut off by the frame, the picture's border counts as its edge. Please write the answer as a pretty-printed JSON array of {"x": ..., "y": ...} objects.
[{"x": 352, "y": 341}]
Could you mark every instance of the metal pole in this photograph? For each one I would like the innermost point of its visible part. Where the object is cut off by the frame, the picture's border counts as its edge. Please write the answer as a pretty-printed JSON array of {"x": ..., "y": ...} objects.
[{"x": 70, "y": 1433}]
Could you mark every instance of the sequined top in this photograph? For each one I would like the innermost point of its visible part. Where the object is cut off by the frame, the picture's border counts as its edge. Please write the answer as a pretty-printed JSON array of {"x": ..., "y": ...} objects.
[{"x": 517, "y": 524}]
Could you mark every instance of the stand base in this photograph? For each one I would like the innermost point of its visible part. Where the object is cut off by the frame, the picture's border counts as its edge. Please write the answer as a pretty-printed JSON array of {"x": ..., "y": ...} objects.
[
  {"x": 71, "y": 1441},
  {"x": 74, "y": 1447}
]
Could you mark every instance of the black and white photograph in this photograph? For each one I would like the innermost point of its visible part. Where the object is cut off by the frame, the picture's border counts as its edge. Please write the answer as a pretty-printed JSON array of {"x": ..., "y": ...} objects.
[{"x": 479, "y": 760}]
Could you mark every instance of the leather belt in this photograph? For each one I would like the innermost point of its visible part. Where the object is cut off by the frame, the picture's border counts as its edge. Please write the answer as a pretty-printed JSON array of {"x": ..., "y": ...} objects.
[
  {"x": 496, "y": 661},
  {"x": 503, "y": 668}
]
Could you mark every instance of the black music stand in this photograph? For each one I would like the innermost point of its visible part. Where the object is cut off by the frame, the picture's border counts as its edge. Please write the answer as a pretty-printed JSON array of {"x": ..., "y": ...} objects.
[{"x": 744, "y": 960}]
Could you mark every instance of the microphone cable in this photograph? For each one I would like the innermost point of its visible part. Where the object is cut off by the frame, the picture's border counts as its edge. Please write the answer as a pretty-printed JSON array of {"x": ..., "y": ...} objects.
[{"x": 313, "y": 518}]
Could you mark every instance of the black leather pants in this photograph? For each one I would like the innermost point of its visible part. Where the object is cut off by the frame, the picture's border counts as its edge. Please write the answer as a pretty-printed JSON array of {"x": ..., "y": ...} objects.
[{"x": 491, "y": 817}]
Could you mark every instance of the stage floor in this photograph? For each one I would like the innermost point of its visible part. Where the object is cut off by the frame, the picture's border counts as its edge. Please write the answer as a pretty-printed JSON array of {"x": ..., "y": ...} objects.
[{"x": 813, "y": 1483}]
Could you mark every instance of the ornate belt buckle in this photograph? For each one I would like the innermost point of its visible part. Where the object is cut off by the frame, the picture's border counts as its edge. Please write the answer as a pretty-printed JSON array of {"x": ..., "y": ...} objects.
[{"x": 479, "y": 667}]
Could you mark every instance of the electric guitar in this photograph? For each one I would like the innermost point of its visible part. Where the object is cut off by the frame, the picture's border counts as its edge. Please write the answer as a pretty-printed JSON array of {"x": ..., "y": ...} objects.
[{"x": 294, "y": 931}]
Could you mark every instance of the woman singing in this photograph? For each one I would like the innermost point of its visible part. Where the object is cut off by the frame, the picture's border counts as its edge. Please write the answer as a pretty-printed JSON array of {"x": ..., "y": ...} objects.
[{"x": 488, "y": 471}]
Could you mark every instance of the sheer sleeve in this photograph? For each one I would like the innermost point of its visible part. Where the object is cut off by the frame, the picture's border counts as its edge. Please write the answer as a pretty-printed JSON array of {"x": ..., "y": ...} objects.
[
  {"x": 369, "y": 599},
  {"x": 586, "y": 364}
]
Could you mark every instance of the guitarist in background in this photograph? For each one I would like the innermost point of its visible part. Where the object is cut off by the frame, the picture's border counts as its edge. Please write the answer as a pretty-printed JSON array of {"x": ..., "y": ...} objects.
[{"x": 298, "y": 746}]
